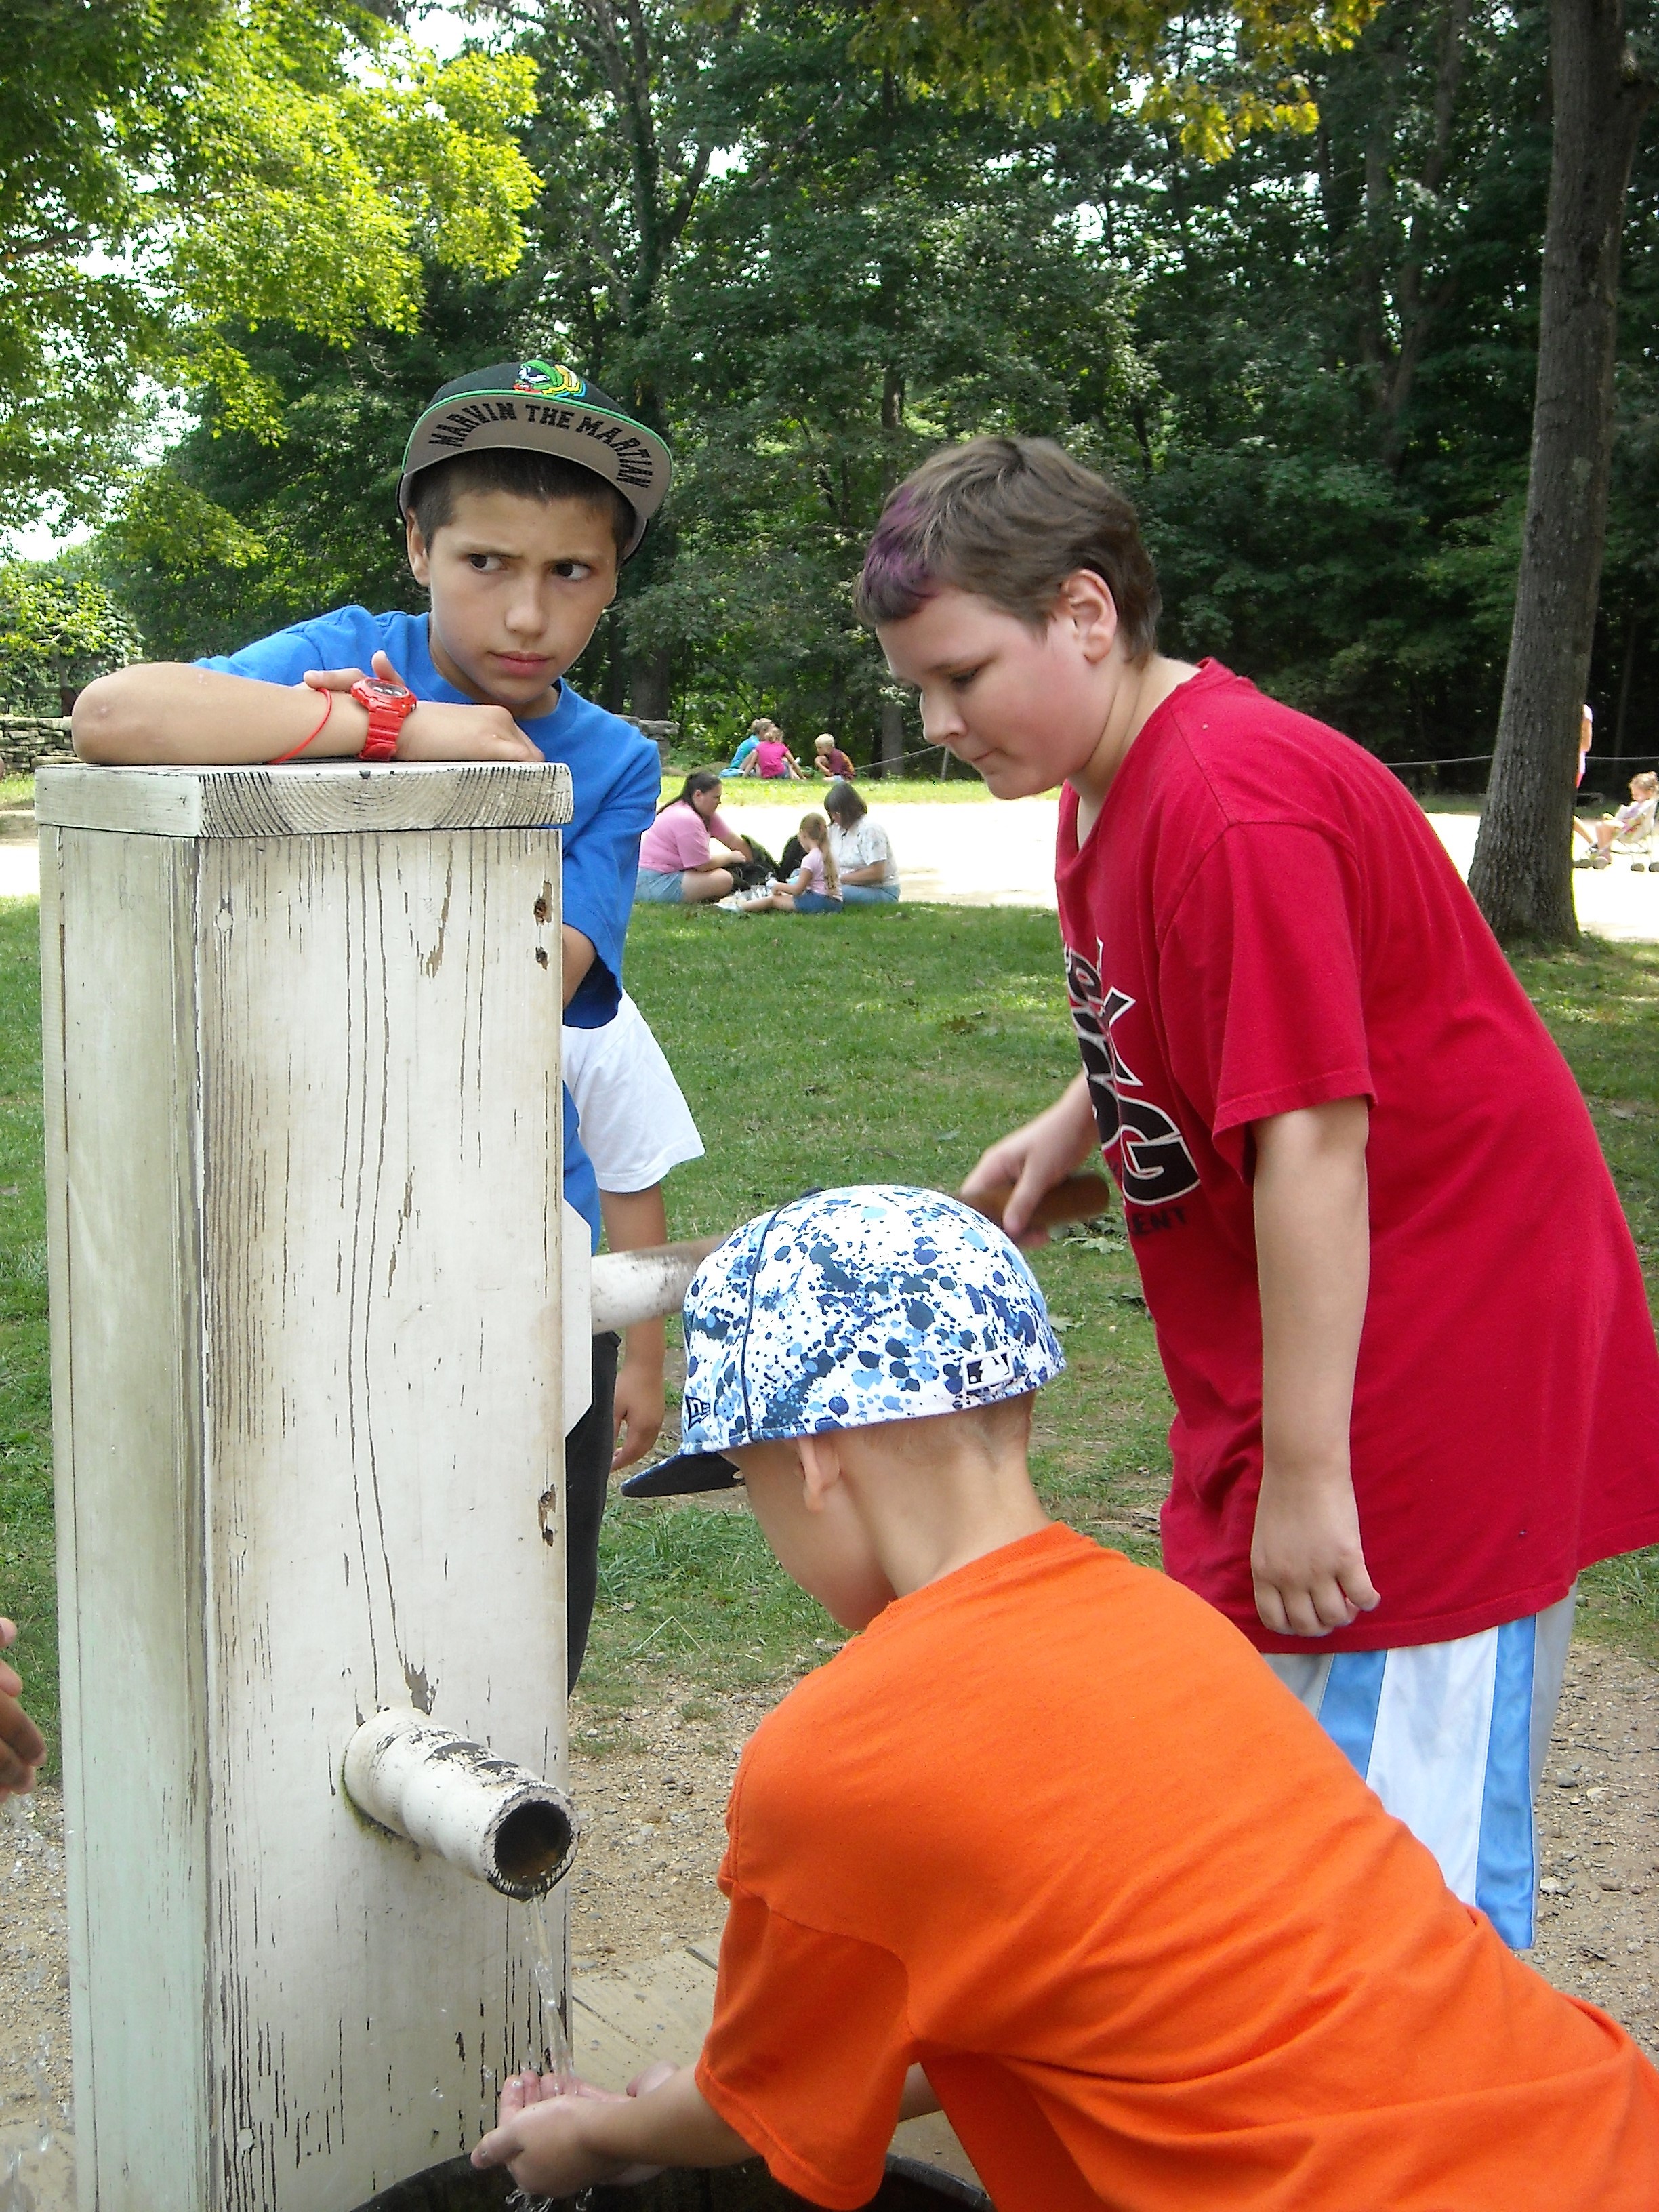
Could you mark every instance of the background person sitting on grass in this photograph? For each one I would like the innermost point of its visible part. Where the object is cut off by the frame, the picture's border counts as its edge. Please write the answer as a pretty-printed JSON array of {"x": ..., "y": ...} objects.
[
  {"x": 774, "y": 763},
  {"x": 829, "y": 761},
  {"x": 676, "y": 867},
  {"x": 1631, "y": 824},
  {"x": 1045, "y": 1845},
  {"x": 814, "y": 887},
  {"x": 862, "y": 849}
]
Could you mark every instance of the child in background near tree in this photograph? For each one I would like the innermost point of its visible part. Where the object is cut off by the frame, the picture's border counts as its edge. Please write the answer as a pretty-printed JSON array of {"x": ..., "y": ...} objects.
[
  {"x": 22, "y": 1747},
  {"x": 773, "y": 759},
  {"x": 1046, "y": 1845},
  {"x": 635, "y": 1127},
  {"x": 814, "y": 887},
  {"x": 829, "y": 760},
  {"x": 1398, "y": 1304},
  {"x": 523, "y": 489}
]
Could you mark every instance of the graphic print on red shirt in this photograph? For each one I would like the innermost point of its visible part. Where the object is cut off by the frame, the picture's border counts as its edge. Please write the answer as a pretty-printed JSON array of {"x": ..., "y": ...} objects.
[{"x": 1262, "y": 920}]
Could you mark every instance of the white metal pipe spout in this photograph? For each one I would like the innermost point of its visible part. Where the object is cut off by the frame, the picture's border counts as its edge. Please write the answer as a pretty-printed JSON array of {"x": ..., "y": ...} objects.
[
  {"x": 634, "y": 1287},
  {"x": 493, "y": 1819}
]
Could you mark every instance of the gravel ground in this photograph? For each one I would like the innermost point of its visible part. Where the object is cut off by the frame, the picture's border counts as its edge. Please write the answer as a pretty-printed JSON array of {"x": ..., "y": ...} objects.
[{"x": 652, "y": 1785}]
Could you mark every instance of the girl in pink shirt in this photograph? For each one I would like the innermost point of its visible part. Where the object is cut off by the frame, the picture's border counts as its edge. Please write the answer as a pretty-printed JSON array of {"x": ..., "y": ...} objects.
[
  {"x": 814, "y": 887},
  {"x": 675, "y": 866}
]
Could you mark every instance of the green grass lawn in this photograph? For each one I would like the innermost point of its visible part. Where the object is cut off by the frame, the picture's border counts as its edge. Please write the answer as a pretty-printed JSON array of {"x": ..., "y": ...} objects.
[{"x": 894, "y": 1043}]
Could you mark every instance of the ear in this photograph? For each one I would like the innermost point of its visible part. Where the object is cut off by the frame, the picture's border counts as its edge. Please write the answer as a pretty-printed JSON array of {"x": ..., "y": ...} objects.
[
  {"x": 820, "y": 1468},
  {"x": 1085, "y": 601},
  {"x": 420, "y": 554}
]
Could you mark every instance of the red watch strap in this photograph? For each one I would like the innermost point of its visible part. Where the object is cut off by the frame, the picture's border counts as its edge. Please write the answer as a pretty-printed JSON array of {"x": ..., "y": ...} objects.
[{"x": 385, "y": 726}]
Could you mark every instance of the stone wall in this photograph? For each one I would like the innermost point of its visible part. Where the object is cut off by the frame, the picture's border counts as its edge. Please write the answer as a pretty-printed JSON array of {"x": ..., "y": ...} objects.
[{"x": 27, "y": 738}]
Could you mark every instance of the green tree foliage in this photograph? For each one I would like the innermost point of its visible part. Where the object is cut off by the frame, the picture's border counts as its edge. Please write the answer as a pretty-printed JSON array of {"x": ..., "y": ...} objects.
[
  {"x": 172, "y": 170},
  {"x": 1311, "y": 363},
  {"x": 60, "y": 626}
]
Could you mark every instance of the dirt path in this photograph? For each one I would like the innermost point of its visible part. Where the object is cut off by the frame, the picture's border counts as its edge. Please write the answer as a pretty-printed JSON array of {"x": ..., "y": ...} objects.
[{"x": 652, "y": 1783}]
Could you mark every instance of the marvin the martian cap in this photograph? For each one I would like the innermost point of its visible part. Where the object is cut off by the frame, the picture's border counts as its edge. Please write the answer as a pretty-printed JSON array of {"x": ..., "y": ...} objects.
[{"x": 543, "y": 407}]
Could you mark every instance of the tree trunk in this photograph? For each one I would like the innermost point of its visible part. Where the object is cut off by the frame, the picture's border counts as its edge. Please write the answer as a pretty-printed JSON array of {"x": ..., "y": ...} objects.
[
  {"x": 650, "y": 684},
  {"x": 1522, "y": 873},
  {"x": 892, "y": 738}
]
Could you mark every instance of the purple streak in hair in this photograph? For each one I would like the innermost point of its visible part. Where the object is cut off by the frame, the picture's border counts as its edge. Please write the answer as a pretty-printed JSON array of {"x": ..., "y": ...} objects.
[{"x": 896, "y": 579}]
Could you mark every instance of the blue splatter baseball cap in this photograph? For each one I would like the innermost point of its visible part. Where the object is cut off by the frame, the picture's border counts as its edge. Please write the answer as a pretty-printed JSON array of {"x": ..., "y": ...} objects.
[{"x": 871, "y": 1303}]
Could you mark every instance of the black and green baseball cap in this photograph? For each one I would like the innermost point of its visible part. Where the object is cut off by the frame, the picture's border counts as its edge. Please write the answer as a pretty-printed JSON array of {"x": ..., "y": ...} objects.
[{"x": 546, "y": 407}]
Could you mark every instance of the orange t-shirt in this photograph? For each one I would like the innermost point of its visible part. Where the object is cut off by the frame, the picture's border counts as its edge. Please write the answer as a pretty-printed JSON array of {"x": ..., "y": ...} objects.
[{"x": 1051, "y": 1827}]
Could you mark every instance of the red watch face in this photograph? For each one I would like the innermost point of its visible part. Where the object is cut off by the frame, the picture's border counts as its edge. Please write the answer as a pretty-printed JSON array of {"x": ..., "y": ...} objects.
[{"x": 375, "y": 691}]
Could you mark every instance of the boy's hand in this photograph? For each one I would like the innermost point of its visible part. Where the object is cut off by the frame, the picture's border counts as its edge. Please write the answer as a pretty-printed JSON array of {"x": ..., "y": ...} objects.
[
  {"x": 1034, "y": 1159},
  {"x": 638, "y": 1409},
  {"x": 541, "y": 2134},
  {"x": 1306, "y": 1559},
  {"x": 437, "y": 730},
  {"x": 22, "y": 1747}
]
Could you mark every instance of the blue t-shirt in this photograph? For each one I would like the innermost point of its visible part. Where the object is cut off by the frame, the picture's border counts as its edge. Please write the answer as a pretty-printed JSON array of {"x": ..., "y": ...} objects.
[{"x": 616, "y": 776}]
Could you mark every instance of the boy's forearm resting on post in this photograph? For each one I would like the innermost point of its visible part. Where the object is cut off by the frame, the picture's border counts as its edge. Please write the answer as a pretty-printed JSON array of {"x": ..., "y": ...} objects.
[
  {"x": 556, "y": 2145},
  {"x": 1034, "y": 1159},
  {"x": 171, "y": 713},
  {"x": 634, "y": 1220},
  {"x": 1313, "y": 1263}
]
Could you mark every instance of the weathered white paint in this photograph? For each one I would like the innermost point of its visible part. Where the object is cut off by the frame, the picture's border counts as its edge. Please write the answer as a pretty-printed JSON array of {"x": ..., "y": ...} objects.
[
  {"x": 303, "y": 1165},
  {"x": 482, "y": 1812}
]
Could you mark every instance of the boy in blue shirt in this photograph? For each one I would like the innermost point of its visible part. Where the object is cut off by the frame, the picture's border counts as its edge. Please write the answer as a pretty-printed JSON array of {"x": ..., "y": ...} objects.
[{"x": 523, "y": 488}]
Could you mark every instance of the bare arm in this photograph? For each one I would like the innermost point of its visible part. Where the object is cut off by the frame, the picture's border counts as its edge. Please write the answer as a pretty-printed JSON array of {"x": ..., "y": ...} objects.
[
  {"x": 1034, "y": 1159},
  {"x": 634, "y": 1220},
  {"x": 875, "y": 873},
  {"x": 172, "y": 714},
  {"x": 579, "y": 954},
  {"x": 1313, "y": 1264}
]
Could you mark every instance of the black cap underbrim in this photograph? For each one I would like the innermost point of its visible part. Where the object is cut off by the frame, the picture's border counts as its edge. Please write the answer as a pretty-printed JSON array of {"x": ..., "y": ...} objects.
[{"x": 683, "y": 1474}]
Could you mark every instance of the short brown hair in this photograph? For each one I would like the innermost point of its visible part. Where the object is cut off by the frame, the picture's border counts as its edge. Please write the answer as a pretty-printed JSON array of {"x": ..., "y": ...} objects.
[
  {"x": 1008, "y": 518},
  {"x": 544, "y": 477}
]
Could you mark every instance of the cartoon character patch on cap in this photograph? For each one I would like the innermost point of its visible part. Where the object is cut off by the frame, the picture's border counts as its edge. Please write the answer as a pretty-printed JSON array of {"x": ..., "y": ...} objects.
[
  {"x": 542, "y": 406},
  {"x": 550, "y": 379}
]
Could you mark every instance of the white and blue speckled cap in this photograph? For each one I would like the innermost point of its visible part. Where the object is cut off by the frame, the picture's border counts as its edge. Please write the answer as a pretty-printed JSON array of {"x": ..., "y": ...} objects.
[{"x": 871, "y": 1303}]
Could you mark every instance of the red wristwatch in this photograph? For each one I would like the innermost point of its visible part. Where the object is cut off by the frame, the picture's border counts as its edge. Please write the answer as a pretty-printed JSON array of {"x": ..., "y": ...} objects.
[{"x": 389, "y": 705}]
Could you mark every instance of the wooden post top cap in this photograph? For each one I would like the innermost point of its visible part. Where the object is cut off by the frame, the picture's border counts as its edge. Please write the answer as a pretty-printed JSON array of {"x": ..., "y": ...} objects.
[{"x": 338, "y": 798}]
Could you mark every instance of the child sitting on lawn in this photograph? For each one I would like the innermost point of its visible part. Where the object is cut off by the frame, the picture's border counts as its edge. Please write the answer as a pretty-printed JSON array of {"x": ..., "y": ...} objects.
[
  {"x": 523, "y": 489},
  {"x": 1401, "y": 1312},
  {"x": 814, "y": 888},
  {"x": 1046, "y": 1845}
]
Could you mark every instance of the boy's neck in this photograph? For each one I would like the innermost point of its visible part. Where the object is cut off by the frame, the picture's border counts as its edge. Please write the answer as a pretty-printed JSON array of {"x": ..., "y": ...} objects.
[
  {"x": 1141, "y": 690},
  {"x": 943, "y": 1508}
]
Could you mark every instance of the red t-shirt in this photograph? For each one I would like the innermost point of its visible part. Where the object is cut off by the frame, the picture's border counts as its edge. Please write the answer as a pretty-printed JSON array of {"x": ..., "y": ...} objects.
[
  {"x": 1050, "y": 1828},
  {"x": 1262, "y": 918}
]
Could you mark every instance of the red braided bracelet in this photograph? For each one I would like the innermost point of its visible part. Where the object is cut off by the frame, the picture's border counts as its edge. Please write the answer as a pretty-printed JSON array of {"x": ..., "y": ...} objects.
[{"x": 328, "y": 708}]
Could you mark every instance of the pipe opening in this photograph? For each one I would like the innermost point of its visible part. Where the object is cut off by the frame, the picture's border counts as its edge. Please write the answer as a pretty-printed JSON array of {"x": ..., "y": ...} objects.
[{"x": 531, "y": 1847}]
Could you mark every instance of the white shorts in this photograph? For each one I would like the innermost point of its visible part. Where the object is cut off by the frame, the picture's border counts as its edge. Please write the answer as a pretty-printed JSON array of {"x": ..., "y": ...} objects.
[{"x": 1453, "y": 1739}]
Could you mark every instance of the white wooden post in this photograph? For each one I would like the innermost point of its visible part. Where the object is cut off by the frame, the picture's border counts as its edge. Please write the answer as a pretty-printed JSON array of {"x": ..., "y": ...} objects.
[{"x": 303, "y": 1143}]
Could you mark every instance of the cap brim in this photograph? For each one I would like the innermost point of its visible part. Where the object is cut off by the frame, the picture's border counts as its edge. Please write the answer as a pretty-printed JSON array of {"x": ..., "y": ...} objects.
[{"x": 683, "y": 1474}]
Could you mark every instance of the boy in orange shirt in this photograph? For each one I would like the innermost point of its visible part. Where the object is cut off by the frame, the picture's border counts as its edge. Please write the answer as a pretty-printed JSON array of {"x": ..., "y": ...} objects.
[{"x": 1046, "y": 1846}]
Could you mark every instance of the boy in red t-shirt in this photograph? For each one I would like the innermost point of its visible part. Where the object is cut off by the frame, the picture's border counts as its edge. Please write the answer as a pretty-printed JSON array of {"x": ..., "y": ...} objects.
[
  {"x": 1400, "y": 1310},
  {"x": 1045, "y": 1846}
]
